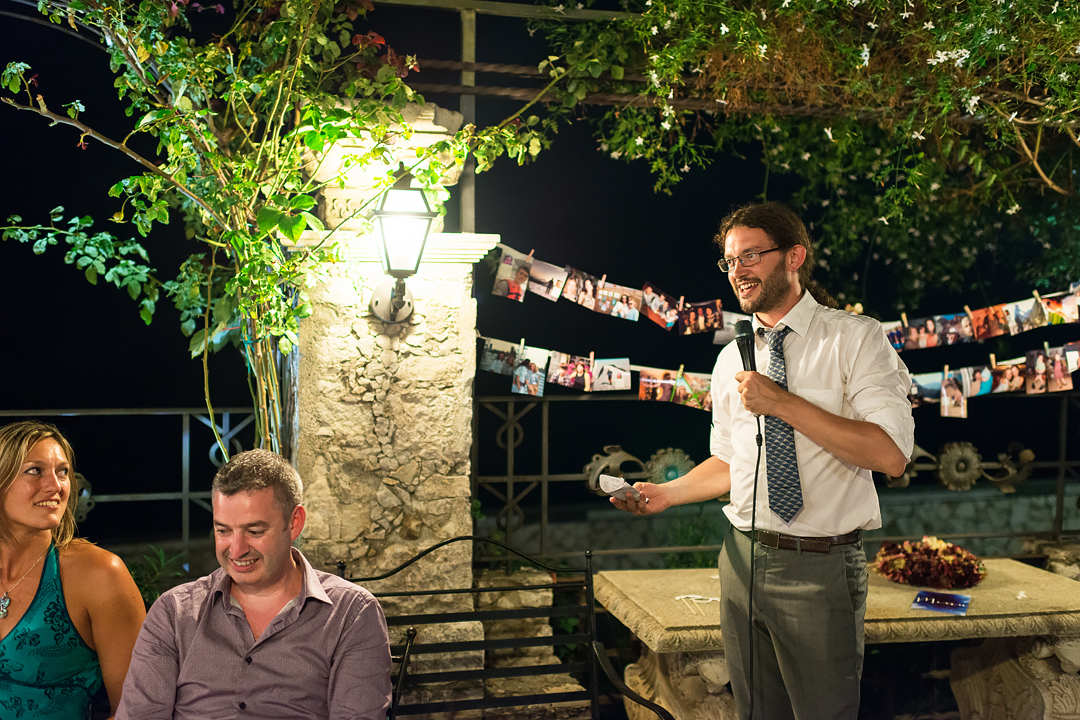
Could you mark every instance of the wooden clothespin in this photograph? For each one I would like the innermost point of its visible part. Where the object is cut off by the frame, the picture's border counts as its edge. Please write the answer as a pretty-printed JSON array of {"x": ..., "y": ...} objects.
[
  {"x": 1036, "y": 295},
  {"x": 521, "y": 346},
  {"x": 903, "y": 319},
  {"x": 592, "y": 358},
  {"x": 681, "y": 298},
  {"x": 1046, "y": 347},
  {"x": 603, "y": 280},
  {"x": 993, "y": 360},
  {"x": 531, "y": 251},
  {"x": 945, "y": 374},
  {"x": 678, "y": 376}
]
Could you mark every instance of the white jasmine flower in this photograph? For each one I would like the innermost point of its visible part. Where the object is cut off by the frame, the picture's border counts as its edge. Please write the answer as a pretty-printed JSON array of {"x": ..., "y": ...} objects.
[
  {"x": 723, "y": 29},
  {"x": 883, "y": 220},
  {"x": 761, "y": 48},
  {"x": 917, "y": 135},
  {"x": 935, "y": 186},
  {"x": 616, "y": 155},
  {"x": 1063, "y": 76},
  {"x": 865, "y": 55},
  {"x": 654, "y": 30},
  {"x": 763, "y": 16},
  {"x": 667, "y": 24},
  {"x": 721, "y": 101},
  {"x": 1013, "y": 210},
  {"x": 828, "y": 131},
  {"x": 872, "y": 25},
  {"x": 685, "y": 168},
  {"x": 972, "y": 103},
  {"x": 928, "y": 25},
  {"x": 666, "y": 125},
  {"x": 668, "y": 111},
  {"x": 639, "y": 140},
  {"x": 785, "y": 3},
  {"x": 603, "y": 147},
  {"x": 906, "y": 14},
  {"x": 825, "y": 203},
  {"x": 805, "y": 156},
  {"x": 559, "y": 8},
  {"x": 580, "y": 6}
]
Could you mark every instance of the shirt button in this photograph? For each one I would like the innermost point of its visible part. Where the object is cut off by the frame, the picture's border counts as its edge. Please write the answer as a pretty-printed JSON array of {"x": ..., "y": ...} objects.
[
  {"x": 248, "y": 659},
  {"x": 243, "y": 705}
]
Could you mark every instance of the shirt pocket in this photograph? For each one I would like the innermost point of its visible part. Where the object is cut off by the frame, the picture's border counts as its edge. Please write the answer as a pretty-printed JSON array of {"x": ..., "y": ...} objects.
[{"x": 828, "y": 399}]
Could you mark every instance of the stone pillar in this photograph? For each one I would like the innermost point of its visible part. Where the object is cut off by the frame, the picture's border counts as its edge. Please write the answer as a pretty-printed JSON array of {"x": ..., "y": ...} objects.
[{"x": 386, "y": 410}]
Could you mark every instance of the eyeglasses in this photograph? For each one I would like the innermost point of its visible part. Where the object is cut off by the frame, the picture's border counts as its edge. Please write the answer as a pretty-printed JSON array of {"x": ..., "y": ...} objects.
[{"x": 747, "y": 259}]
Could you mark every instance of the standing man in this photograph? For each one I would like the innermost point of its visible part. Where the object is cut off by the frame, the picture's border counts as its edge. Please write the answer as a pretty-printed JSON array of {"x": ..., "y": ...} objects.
[
  {"x": 265, "y": 636},
  {"x": 833, "y": 394}
]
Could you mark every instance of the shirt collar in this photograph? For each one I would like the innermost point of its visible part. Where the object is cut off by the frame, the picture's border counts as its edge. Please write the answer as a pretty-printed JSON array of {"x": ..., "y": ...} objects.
[
  {"x": 310, "y": 586},
  {"x": 797, "y": 318}
]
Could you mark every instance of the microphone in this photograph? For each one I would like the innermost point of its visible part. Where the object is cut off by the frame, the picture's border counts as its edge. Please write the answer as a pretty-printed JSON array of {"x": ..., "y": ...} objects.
[{"x": 744, "y": 337}]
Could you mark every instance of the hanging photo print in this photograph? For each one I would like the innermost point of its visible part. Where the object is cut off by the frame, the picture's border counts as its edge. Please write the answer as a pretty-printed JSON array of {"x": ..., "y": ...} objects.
[
  {"x": 580, "y": 288},
  {"x": 980, "y": 381},
  {"x": 1072, "y": 356},
  {"x": 529, "y": 374},
  {"x": 1059, "y": 377},
  {"x": 611, "y": 374},
  {"x": 925, "y": 388},
  {"x": 1025, "y": 315},
  {"x": 498, "y": 356},
  {"x": 546, "y": 280},
  {"x": 894, "y": 333},
  {"x": 921, "y": 333},
  {"x": 727, "y": 333},
  {"x": 953, "y": 329},
  {"x": 692, "y": 390},
  {"x": 655, "y": 384},
  {"x": 953, "y": 397},
  {"x": 618, "y": 301},
  {"x": 700, "y": 317},
  {"x": 512, "y": 277},
  {"x": 570, "y": 371},
  {"x": 1061, "y": 308},
  {"x": 658, "y": 306},
  {"x": 989, "y": 322},
  {"x": 1035, "y": 381},
  {"x": 1009, "y": 376}
]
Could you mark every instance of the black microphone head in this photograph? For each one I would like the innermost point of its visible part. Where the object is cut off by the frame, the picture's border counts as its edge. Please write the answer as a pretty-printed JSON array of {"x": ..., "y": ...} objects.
[{"x": 744, "y": 338}]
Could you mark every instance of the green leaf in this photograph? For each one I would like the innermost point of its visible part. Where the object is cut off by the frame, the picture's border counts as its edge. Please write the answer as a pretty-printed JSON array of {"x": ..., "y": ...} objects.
[
  {"x": 197, "y": 342},
  {"x": 91, "y": 275},
  {"x": 314, "y": 222},
  {"x": 268, "y": 218},
  {"x": 292, "y": 226},
  {"x": 302, "y": 202},
  {"x": 617, "y": 72},
  {"x": 284, "y": 345}
]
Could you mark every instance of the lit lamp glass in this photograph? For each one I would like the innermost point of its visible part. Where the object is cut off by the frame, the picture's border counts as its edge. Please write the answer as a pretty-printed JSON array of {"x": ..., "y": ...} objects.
[{"x": 402, "y": 224}]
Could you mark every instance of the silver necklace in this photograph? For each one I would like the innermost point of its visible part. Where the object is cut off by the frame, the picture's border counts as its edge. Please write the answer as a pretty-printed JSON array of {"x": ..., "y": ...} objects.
[{"x": 5, "y": 599}]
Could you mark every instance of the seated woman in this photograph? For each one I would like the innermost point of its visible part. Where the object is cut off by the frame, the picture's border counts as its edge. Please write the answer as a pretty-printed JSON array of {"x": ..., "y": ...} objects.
[{"x": 69, "y": 610}]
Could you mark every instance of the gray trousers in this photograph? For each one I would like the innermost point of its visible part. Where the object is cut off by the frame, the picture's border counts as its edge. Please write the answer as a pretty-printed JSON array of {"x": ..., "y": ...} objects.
[{"x": 808, "y": 630}]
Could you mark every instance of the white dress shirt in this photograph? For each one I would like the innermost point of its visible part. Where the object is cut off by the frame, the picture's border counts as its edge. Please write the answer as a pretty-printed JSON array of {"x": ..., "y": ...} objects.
[{"x": 843, "y": 364}]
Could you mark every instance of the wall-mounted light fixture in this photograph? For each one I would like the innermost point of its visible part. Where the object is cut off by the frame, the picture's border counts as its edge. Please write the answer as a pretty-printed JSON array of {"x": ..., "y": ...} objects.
[{"x": 402, "y": 224}]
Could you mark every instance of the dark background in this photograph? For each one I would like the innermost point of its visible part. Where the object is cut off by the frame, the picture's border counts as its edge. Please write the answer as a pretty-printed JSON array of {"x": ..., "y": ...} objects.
[{"x": 66, "y": 344}]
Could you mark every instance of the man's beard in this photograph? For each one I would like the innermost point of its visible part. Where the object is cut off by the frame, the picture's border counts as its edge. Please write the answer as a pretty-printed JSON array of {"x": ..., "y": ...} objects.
[{"x": 774, "y": 288}]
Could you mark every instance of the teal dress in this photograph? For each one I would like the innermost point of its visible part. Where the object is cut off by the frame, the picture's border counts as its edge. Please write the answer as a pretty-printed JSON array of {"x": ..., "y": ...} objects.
[{"x": 46, "y": 670}]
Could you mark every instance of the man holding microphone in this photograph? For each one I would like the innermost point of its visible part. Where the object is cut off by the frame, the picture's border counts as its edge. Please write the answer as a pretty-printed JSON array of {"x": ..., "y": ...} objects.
[{"x": 833, "y": 396}]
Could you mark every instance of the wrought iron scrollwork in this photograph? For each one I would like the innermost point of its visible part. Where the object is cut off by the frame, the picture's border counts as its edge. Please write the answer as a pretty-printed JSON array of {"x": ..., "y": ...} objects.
[{"x": 958, "y": 466}]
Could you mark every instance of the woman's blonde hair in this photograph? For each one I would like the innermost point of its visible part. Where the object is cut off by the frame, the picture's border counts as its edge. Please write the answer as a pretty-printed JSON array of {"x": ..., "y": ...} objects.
[{"x": 16, "y": 440}]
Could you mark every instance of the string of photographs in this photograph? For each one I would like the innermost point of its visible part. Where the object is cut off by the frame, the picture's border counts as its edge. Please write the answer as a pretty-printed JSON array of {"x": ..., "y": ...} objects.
[
  {"x": 531, "y": 368},
  {"x": 519, "y": 273},
  {"x": 989, "y": 322}
]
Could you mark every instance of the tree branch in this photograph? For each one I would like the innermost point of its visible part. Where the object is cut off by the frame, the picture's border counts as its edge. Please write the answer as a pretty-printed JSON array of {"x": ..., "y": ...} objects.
[{"x": 109, "y": 142}]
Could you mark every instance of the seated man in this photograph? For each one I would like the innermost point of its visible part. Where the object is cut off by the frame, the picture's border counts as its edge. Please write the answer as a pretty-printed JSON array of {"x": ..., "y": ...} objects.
[{"x": 265, "y": 636}]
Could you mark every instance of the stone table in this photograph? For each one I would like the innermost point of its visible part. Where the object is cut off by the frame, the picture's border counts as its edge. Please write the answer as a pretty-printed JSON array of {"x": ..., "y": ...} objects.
[{"x": 1015, "y": 673}]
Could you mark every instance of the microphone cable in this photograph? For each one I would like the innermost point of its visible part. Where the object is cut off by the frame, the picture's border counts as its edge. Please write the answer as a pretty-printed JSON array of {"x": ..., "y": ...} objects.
[{"x": 753, "y": 575}]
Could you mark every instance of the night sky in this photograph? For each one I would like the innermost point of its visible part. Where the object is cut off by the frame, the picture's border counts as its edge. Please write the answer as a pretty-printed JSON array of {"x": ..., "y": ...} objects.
[{"x": 65, "y": 344}]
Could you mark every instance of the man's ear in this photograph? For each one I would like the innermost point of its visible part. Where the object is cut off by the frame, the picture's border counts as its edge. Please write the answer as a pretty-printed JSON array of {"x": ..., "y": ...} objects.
[
  {"x": 296, "y": 521},
  {"x": 796, "y": 257}
]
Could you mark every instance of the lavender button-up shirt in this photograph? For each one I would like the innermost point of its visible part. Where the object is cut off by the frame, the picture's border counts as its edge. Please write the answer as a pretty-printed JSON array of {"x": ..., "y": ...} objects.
[{"x": 326, "y": 655}]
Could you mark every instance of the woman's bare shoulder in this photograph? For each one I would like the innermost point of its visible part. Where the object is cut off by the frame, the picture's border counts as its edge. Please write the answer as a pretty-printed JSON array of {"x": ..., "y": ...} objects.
[{"x": 90, "y": 561}]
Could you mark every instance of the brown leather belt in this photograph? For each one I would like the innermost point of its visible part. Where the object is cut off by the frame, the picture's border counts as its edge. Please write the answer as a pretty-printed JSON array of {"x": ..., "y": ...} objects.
[{"x": 780, "y": 541}]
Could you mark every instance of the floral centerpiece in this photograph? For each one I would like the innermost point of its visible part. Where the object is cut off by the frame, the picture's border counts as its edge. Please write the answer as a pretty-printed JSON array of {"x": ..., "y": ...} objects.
[{"x": 930, "y": 562}]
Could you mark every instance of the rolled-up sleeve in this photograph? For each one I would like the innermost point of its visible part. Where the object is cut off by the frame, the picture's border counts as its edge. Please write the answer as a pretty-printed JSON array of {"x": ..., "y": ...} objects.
[
  {"x": 359, "y": 687},
  {"x": 150, "y": 686},
  {"x": 877, "y": 387}
]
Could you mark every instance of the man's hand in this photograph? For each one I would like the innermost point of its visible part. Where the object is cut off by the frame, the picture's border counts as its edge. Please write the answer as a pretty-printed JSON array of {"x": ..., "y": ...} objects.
[
  {"x": 653, "y": 500},
  {"x": 759, "y": 394}
]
